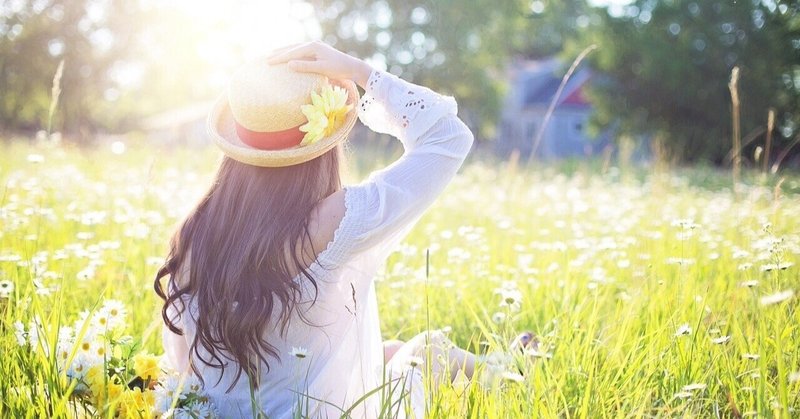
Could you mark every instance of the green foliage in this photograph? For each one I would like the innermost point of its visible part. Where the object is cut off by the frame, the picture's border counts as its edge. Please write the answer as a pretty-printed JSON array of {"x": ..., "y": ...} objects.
[
  {"x": 663, "y": 65},
  {"x": 123, "y": 60},
  {"x": 454, "y": 46},
  {"x": 669, "y": 63},
  {"x": 92, "y": 38},
  {"x": 611, "y": 266}
]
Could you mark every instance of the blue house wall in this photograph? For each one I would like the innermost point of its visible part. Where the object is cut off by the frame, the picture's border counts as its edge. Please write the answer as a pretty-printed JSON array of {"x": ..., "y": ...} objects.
[{"x": 533, "y": 85}]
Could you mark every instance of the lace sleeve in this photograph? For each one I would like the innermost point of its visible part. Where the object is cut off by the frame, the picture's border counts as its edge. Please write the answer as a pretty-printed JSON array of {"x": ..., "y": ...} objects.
[{"x": 401, "y": 109}]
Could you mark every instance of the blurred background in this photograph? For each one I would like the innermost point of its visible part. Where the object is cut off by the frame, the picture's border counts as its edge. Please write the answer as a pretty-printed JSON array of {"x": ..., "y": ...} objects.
[{"x": 657, "y": 83}]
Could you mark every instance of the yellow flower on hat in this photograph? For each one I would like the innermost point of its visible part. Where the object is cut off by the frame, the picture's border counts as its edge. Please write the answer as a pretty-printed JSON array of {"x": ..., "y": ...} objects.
[{"x": 325, "y": 114}]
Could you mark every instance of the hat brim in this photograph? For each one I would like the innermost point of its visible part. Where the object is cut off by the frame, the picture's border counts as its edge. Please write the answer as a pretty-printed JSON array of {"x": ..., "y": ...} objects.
[{"x": 222, "y": 129}]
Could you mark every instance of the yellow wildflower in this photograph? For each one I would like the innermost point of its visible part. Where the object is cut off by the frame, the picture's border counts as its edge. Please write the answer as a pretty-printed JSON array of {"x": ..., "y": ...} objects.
[
  {"x": 136, "y": 403},
  {"x": 96, "y": 381},
  {"x": 103, "y": 389},
  {"x": 146, "y": 366},
  {"x": 325, "y": 114}
]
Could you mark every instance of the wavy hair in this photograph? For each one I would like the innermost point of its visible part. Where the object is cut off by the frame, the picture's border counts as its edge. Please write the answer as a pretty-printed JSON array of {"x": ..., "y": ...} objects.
[{"x": 247, "y": 238}]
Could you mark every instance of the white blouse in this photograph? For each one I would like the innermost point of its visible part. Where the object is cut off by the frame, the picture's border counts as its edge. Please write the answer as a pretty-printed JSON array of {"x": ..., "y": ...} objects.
[{"x": 345, "y": 352}]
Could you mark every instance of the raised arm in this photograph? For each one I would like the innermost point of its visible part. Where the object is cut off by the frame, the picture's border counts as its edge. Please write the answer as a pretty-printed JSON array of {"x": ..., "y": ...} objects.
[
  {"x": 390, "y": 201},
  {"x": 382, "y": 209}
]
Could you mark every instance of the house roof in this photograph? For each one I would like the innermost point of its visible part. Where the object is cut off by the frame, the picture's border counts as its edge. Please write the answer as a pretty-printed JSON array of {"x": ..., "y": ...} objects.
[{"x": 537, "y": 82}]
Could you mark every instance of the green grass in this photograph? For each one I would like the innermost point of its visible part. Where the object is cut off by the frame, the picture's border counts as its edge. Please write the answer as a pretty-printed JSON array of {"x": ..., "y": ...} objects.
[{"x": 611, "y": 265}]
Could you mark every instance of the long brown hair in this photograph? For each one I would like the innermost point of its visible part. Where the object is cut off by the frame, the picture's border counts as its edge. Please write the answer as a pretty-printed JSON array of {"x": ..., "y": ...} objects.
[{"x": 243, "y": 237}]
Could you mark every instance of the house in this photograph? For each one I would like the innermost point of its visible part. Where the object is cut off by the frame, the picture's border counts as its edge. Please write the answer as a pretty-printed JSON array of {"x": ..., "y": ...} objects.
[{"x": 533, "y": 86}]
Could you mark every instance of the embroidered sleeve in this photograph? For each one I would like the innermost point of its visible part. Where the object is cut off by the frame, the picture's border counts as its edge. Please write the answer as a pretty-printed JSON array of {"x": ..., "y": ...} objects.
[{"x": 393, "y": 106}]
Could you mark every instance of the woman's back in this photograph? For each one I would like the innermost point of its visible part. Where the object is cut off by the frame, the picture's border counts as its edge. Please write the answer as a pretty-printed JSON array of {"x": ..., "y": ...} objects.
[
  {"x": 336, "y": 320},
  {"x": 332, "y": 352}
]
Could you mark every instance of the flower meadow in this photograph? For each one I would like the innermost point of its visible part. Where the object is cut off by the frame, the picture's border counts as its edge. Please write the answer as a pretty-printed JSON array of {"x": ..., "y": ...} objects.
[{"x": 652, "y": 293}]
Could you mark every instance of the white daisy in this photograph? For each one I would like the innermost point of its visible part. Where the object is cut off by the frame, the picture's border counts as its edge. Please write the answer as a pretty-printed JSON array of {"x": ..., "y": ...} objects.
[
  {"x": 299, "y": 352},
  {"x": 181, "y": 413},
  {"x": 169, "y": 382},
  {"x": 115, "y": 311},
  {"x": 684, "y": 330},
  {"x": 6, "y": 288},
  {"x": 753, "y": 357},
  {"x": 162, "y": 401},
  {"x": 532, "y": 352},
  {"x": 509, "y": 296},
  {"x": 694, "y": 387},
  {"x": 34, "y": 329},
  {"x": 64, "y": 347},
  {"x": 776, "y": 266},
  {"x": 414, "y": 361},
  {"x": 19, "y": 333},
  {"x": 721, "y": 340},
  {"x": 513, "y": 376},
  {"x": 79, "y": 366},
  {"x": 85, "y": 274},
  {"x": 191, "y": 385},
  {"x": 499, "y": 317},
  {"x": 200, "y": 410},
  {"x": 776, "y": 298}
]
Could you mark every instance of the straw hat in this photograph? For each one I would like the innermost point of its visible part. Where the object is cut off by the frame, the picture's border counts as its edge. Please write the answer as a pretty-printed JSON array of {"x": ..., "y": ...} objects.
[{"x": 257, "y": 121}]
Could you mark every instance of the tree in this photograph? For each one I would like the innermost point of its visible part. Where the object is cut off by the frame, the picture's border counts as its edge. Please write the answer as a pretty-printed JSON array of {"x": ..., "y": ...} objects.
[
  {"x": 92, "y": 37},
  {"x": 458, "y": 47},
  {"x": 669, "y": 63}
]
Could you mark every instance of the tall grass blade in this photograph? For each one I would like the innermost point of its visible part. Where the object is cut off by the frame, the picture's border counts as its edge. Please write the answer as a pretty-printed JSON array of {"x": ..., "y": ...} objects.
[
  {"x": 784, "y": 154},
  {"x": 768, "y": 145},
  {"x": 550, "y": 109},
  {"x": 733, "y": 86},
  {"x": 54, "y": 95}
]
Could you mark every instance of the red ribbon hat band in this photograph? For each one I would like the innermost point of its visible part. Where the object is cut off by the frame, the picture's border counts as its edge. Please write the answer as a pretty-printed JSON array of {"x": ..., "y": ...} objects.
[{"x": 274, "y": 140}]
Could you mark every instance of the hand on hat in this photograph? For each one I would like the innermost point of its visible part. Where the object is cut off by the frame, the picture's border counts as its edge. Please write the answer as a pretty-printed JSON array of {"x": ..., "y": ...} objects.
[{"x": 318, "y": 57}]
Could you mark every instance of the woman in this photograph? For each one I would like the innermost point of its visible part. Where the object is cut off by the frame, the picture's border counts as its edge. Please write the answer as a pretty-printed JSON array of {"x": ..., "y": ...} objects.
[{"x": 276, "y": 263}]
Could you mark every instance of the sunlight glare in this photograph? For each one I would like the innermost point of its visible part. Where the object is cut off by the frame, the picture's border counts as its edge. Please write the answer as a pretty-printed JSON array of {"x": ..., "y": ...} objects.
[{"x": 232, "y": 32}]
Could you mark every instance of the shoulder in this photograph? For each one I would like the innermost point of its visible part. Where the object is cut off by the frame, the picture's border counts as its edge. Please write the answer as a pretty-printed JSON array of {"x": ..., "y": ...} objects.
[{"x": 324, "y": 221}]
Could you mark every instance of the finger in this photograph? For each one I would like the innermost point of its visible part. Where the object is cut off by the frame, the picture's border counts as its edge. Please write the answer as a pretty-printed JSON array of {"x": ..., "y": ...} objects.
[
  {"x": 307, "y": 66},
  {"x": 277, "y": 51},
  {"x": 307, "y": 50}
]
